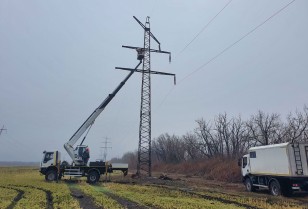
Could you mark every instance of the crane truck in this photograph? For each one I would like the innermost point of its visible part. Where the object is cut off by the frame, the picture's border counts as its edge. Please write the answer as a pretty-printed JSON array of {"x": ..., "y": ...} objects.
[
  {"x": 51, "y": 165},
  {"x": 281, "y": 168}
]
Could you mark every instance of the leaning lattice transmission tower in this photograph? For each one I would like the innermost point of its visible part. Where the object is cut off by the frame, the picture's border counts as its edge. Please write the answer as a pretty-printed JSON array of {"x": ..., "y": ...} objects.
[{"x": 144, "y": 163}]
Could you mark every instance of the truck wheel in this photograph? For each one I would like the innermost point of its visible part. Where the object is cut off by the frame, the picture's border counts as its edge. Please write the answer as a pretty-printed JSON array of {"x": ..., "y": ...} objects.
[
  {"x": 249, "y": 186},
  {"x": 93, "y": 177},
  {"x": 51, "y": 175},
  {"x": 275, "y": 188}
]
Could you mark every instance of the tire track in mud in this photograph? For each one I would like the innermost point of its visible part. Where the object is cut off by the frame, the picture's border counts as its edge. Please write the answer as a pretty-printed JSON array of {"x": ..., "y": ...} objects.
[
  {"x": 16, "y": 198},
  {"x": 85, "y": 201},
  {"x": 126, "y": 203},
  {"x": 122, "y": 201},
  {"x": 48, "y": 194},
  {"x": 208, "y": 197},
  {"x": 299, "y": 198}
]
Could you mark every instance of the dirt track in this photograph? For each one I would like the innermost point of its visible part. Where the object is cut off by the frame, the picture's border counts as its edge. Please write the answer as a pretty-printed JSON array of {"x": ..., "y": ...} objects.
[
  {"x": 84, "y": 200},
  {"x": 126, "y": 203},
  {"x": 17, "y": 198},
  {"x": 196, "y": 185}
]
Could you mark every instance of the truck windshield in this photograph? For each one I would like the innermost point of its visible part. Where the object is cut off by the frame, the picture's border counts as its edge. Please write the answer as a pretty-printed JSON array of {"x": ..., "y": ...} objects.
[
  {"x": 244, "y": 162},
  {"x": 48, "y": 156}
]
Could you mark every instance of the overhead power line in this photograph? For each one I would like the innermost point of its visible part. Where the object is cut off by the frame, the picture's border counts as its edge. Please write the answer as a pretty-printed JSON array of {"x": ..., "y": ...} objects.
[
  {"x": 236, "y": 42},
  {"x": 204, "y": 27},
  {"x": 228, "y": 47}
]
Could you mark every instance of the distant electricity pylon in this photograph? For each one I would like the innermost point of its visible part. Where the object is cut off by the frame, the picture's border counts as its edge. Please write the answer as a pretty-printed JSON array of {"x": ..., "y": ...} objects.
[
  {"x": 105, "y": 147},
  {"x": 2, "y": 129},
  {"x": 144, "y": 53}
]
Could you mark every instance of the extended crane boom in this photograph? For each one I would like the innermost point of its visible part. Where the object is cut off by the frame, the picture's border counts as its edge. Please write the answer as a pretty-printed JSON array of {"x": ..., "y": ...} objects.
[{"x": 90, "y": 120}]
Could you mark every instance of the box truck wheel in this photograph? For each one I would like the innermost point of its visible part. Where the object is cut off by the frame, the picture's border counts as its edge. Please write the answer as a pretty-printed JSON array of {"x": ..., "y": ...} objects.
[
  {"x": 249, "y": 186},
  {"x": 275, "y": 188}
]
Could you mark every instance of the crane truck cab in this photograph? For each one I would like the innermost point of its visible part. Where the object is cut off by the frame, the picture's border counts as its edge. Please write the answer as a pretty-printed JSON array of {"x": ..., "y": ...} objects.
[
  {"x": 281, "y": 168},
  {"x": 49, "y": 165}
]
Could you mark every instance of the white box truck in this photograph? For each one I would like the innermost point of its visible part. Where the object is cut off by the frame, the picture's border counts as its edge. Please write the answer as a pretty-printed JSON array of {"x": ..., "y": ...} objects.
[{"x": 281, "y": 168}]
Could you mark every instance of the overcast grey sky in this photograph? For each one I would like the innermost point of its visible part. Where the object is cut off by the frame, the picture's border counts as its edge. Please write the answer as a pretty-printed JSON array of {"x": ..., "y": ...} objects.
[{"x": 57, "y": 62}]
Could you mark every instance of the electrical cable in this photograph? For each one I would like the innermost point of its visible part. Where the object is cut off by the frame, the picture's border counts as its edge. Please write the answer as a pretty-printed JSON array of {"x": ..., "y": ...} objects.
[
  {"x": 204, "y": 27},
  {"x": 227, "y": 48},
  {"x": 236, "y": 42}
]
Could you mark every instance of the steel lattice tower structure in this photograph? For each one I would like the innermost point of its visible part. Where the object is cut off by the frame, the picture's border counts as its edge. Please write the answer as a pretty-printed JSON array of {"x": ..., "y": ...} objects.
[
  {"x": 144, "y": 146},
  {"x": 144, "y": 54}
]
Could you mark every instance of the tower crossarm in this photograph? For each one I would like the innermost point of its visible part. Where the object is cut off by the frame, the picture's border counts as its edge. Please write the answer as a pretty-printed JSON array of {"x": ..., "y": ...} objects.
[{"x": 152, "y": 72}]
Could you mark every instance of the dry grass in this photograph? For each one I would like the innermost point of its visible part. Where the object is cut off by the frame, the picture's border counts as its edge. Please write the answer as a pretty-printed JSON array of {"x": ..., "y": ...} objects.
[{"x": 212, "y": 169}]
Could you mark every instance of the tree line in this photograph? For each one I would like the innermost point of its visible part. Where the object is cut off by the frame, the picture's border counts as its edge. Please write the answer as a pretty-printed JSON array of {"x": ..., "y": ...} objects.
[{"x": 228, "y": 137}]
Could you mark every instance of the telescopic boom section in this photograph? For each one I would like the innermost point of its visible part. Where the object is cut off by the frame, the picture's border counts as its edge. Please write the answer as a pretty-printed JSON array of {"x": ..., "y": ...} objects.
[{"x": 90, "y": 120}]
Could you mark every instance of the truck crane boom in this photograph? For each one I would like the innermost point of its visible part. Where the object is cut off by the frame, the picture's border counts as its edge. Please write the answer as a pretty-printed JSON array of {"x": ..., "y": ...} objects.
[{"x": 90, "y": 120}]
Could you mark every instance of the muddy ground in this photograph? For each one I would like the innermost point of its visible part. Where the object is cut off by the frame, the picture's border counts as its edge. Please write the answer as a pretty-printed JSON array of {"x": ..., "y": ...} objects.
[
  {"x": 195, "y": 184},
  {"x": 187, "y": 184}
]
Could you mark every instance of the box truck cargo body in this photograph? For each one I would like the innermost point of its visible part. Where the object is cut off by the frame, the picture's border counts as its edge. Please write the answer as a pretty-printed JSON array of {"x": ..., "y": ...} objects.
[{"x": 282, "y": 168}]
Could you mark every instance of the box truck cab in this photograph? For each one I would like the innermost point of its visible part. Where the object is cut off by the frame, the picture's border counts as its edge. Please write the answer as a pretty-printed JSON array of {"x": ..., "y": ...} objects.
[{"x": 281, "y": 168}]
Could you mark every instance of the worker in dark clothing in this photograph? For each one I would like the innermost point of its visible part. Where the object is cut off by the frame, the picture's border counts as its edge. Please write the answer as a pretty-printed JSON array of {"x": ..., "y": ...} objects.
[{"x": 86, "y": 155}]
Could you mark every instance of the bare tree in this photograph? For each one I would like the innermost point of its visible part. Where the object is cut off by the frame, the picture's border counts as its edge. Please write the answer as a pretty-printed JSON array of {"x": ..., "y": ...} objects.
[
  {"x": 130, "y": 158},
  {"x": 170, "y": 149},
  {"x": 229, "y": 137},
  {"x": 193, "y": 147},
  {"x": 297, "y": 126},
  {"x": 208, "y": 141},
  {"x": 223, "y": 134},
  {"x": 159, "y": 148},
  {"x": 226, "y": 137},
  {"x": 239, "y": 137},
  {"x": 264, "y": 128}
]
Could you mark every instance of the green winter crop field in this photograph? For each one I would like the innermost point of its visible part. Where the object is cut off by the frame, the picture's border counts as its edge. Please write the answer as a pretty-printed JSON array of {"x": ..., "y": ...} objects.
[{"x": 24, "y": 187}]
